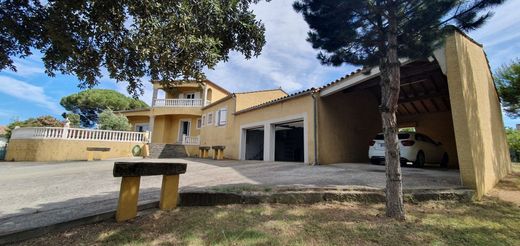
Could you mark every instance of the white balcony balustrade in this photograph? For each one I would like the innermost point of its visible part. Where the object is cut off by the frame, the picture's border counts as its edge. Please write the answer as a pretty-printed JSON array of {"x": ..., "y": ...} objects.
[
  {"x": 77, "y": 134},
  {"x": 189, "y": 140},
  {"x": 181, "y": 103}
]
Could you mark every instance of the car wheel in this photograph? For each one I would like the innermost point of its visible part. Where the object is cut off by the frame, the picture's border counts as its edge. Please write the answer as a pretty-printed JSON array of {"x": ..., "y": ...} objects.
[
  {"x": 375, "y": 162},
  {"x": 445, "y": 160},
  {"x": 419, "y": 161}
]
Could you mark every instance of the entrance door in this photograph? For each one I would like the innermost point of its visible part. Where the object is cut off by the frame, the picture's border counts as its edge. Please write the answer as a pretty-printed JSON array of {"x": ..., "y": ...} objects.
[{"x": 184, "y": 129}]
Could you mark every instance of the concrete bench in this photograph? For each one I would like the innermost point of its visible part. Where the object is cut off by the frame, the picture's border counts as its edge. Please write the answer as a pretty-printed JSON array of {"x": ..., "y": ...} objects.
[
  {"x": 92, "y": 150},
  {"x": 131, "y": 173},
  {"x": 204, "y": 151},
  {"x": 218, "y": 152}
]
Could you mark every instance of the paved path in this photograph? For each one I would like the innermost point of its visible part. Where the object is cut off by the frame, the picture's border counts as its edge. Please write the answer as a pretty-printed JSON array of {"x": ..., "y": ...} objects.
[{"x": 41, "y": 193}]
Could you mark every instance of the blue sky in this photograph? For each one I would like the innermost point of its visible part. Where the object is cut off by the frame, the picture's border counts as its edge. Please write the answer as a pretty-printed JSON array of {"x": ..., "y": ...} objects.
[{"x": 287, "y": 61}]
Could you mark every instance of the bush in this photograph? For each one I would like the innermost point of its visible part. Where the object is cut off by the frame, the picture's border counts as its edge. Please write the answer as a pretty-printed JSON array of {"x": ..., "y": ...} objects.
[
  {"x": 513, "y": 139},
  {"x": 108, "y": 120},
  {"x": 42, "y": 121}
]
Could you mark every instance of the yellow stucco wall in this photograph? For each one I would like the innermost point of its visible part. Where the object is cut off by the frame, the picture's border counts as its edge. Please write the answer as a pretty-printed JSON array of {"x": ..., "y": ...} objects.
[
  {"x": 250, "y": 99},
  {"x": 65, "y": 150},
  {"x": 212, "y": 135},
  {"x": 347, "y": 123},
  {"x": 216, "y": 93},
  {"x": 166, "y": 128},
  {"x": 480, "y": 137}
]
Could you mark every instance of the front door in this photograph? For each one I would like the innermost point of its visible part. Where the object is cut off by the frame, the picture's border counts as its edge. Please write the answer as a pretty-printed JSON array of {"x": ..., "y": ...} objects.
[{"x": 184, "y": 129}]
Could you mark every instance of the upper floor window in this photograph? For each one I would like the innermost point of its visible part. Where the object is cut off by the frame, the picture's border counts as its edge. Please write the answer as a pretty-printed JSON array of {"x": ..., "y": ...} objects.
[
  {"x": 222, "y": 117},
  {"x": 203, "y": 120},
  {"x": 190, "y": 96}
]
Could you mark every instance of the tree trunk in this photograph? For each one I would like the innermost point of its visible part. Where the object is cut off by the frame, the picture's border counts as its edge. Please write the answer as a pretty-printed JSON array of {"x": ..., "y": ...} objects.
[{"x": 390, "y": 84}]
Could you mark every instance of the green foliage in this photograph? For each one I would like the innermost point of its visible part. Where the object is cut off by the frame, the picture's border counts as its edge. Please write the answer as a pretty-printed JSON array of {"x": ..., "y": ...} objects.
[
  {"x": 108, "y": 120},
  {"x": 165, "y": 40},
  {"x": 513, "y": 139},
  {"x": 356, "y": 33},
  {"x": 42, "y": 121},
  {"x": 89, "y": 103},
  {"x": 74, "y": 119},
  {"x": 507, "y": 79}
]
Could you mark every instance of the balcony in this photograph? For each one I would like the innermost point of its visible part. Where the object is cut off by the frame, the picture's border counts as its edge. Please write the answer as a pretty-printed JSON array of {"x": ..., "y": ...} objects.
[{"x": 179, "y": 103}]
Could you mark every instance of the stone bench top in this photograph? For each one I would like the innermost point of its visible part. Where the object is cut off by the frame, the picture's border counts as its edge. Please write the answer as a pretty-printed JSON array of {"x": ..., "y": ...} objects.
[
  {"x": 98, "y": 149},
  {"x": 204, "y": 147},
  {"x": 137, "y": 169},
  {"x": 221, "y": 147}
]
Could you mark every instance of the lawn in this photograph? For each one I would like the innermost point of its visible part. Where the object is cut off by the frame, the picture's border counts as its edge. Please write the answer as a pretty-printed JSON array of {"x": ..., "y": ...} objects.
[{"x": 487, "y": 222}]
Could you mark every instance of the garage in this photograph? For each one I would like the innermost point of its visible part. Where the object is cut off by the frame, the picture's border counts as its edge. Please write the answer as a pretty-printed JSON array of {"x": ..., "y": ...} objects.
[
  {"x": 254, "y": 144},
  {"x": 289, "y": 141}
]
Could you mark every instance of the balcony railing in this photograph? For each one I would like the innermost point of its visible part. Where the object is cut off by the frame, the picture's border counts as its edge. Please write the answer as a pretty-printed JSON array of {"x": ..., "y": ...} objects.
[
  {"x": 182, "y": 103},
  {"x": 189, "y": 140},
  {"x": 76, "y": 134}
]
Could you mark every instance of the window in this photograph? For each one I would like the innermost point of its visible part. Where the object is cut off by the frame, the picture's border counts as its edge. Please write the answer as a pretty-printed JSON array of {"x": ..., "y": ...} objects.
[
  {"x": 203, "y": 120},
  {"x": 190, "y": 96},
  {"x": 199, "y": 123},
  {"x": 222, "y": 117},
  {"x": 210, "y": 118},
  {"x": 141, "y": 127}
]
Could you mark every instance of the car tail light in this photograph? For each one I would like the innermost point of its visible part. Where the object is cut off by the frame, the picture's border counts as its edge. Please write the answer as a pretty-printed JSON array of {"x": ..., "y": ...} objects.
[
  {"x": 371, "y": 143},
  {"x": 407, "y": 142}
]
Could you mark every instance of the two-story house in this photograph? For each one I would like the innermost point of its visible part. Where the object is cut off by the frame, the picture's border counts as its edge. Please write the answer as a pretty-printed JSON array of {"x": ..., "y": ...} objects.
[{"x": 179, "y": 112}]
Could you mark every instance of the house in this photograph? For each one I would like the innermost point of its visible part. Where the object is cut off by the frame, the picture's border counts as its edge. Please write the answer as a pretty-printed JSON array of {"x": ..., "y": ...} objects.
[{"x": 450, "y": 97}]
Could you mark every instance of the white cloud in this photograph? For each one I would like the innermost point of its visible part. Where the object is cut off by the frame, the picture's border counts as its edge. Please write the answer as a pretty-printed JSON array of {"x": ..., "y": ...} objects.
[
  {"x": 505, "y": 18},
  {"x": 28, "y": 92},
  {"x": 287, "y": 60},
  {"x": 29, "y": 66}
]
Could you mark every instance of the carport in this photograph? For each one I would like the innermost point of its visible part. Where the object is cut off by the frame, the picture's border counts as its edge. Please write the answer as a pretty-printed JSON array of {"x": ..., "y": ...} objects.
[
  {"x": 449, "y": 97},
  {"x": 424, "y": 104}
]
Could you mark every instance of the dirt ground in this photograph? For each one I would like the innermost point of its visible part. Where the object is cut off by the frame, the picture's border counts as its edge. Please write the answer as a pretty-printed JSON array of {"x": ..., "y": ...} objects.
[{"x": 509, "y": 188}]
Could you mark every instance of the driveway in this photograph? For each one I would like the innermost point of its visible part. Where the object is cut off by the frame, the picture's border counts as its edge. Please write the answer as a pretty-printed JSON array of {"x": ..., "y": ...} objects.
[{"x": 72, "y": 188}]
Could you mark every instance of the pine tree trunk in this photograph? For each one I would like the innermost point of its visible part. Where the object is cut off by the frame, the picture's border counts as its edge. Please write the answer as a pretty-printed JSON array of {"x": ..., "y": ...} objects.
[{"x": 390, "y": 84}]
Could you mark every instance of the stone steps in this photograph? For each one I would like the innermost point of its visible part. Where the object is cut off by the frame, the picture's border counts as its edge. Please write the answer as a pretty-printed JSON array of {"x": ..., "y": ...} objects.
[{"x": 167, "y": 151}]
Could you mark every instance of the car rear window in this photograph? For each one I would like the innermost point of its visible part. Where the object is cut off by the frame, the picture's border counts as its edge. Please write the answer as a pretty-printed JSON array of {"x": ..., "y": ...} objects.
[{"x": 399, "y": 136}]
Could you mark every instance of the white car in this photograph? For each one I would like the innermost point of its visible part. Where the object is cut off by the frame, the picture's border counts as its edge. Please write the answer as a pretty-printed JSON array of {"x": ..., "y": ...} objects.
[{"x": 414, "y": 147}]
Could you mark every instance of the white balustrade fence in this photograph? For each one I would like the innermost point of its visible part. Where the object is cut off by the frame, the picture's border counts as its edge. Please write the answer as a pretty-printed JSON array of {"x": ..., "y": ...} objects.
[
  {"x": 183, "y": 103},
  {"x": 189, "y": 140},
  {"x": 76, "y": 134}
]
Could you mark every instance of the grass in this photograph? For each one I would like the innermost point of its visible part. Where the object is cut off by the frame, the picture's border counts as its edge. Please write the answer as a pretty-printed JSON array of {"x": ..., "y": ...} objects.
[{"x": 487, "y": 222}]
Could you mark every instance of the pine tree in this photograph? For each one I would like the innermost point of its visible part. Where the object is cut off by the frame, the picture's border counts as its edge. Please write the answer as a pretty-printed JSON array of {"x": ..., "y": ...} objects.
[{"x": 378, "y": 33}]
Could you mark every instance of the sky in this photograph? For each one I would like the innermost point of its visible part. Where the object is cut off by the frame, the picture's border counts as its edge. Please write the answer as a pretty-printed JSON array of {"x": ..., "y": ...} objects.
[{"x": 287, "y": 61}]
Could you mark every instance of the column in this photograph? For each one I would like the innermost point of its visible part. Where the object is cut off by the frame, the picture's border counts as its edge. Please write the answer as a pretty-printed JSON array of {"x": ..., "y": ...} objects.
[
  {"x": 154, "y": 97},
  {"x": 151, "y": 125}
]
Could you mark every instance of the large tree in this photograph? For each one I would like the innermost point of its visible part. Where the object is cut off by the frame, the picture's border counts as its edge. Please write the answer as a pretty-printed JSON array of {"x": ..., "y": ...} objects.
[
  {"x": 165, "y": 40},
  {"x": 507, "y": 79},
  {"x": 88, "y": 104},
  {"x": 379, "y": 33}
]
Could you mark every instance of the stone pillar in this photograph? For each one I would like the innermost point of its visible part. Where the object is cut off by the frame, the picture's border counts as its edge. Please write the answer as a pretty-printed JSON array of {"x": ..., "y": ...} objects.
[
  {"x": 154, "y": 97},
  {"x": 151, "y": 126},
  {"x": 204, "y": 95}
]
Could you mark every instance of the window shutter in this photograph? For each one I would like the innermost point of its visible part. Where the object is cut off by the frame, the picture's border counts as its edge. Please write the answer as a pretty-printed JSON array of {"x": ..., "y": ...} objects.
[{"x": 222, "y": 117}]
